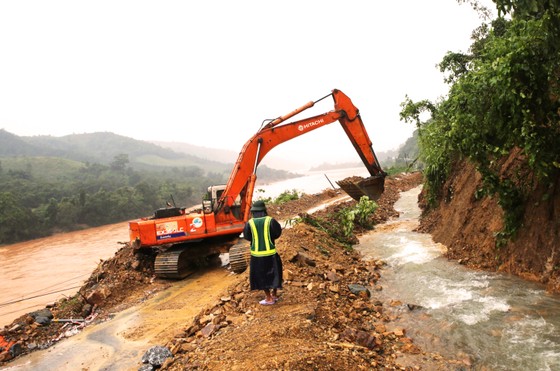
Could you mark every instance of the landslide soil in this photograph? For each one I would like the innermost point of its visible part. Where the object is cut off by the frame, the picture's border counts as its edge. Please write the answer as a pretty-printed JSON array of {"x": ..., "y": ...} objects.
[
  {"x": 317, "y": 324},
  {"x": 468, "y": 225}
]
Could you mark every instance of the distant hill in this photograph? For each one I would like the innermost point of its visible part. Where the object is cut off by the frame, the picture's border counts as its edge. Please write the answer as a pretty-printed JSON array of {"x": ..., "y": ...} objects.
[
  {"x": 104, "y": 147},
  {"x": 220, "y": 155},
  {"x": 52, "y": 184},
  {"x": 343, "y": 165}
]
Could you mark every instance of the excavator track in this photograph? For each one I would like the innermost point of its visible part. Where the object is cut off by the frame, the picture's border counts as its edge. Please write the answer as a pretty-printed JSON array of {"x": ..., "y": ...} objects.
[
  {"x": 239, "y": 256},
  {"x": 182, "y": 260},
  {"x": 173, "y": 263}
]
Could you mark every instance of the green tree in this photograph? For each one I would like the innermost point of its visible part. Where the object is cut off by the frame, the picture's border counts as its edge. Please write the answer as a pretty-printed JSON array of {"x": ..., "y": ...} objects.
[
  {"x": 16, "y": 222},
  {"x": 503, "y": 95},
  {"x": 120, "y": 162}
]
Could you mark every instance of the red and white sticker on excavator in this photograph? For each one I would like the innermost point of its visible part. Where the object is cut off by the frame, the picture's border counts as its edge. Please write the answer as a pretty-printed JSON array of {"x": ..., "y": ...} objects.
[
  {"x": 169, "y": 230},
  {"x": 196, "y": 223}
]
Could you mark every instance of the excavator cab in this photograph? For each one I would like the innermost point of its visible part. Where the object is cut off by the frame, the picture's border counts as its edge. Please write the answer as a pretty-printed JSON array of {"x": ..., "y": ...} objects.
[{"x": 210, "y": 202}]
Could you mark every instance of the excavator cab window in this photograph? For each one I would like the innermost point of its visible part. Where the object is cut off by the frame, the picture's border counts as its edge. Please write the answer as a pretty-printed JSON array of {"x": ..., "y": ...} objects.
[{"x": 167, "y": 212}]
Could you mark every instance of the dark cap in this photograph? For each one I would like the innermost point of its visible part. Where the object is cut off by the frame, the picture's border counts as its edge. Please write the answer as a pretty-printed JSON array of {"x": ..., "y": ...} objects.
[{"x": 258, "y": 206}]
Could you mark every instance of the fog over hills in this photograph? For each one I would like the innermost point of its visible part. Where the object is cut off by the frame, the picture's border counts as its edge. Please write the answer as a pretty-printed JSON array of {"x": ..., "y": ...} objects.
[{"x": 272, "y": 161}]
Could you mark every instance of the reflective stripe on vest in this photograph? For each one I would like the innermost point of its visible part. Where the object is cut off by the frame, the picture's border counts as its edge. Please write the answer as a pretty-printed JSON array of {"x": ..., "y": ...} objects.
[{"x": 261, "y": 243}]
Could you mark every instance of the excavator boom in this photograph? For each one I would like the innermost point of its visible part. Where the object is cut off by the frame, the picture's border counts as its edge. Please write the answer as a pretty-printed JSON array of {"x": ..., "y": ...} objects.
[{"x": 243, "y": 176}]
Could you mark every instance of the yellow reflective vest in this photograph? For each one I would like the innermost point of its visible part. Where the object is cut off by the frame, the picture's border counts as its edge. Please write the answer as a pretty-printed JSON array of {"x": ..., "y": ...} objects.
[{"x": 261, "y": 244}]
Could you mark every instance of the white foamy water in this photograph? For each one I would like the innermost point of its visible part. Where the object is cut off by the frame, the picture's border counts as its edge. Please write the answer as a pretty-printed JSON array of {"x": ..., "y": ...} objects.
[{"x": 500, "y": 321}]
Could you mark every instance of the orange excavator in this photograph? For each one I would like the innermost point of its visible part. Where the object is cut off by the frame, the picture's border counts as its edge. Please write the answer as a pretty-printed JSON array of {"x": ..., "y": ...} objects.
[{"x": 182, "y": 236}]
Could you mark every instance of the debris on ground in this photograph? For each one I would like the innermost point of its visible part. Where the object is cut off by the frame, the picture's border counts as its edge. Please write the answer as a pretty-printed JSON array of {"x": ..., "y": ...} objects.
[
  {"x": 155, "y": 358},
  {"x": 327, "y": 317}
]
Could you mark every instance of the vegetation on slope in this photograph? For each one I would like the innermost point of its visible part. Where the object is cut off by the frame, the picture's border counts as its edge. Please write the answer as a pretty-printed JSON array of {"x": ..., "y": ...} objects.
[{"x": 503, "y": 97}]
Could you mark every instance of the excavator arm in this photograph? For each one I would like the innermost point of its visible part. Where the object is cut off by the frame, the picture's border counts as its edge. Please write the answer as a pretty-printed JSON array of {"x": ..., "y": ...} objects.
[{"x": 243, "y": 177}]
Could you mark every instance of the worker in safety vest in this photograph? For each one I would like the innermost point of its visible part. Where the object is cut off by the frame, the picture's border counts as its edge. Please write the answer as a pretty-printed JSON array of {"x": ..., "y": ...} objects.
[{"x": 266, "y": 265}]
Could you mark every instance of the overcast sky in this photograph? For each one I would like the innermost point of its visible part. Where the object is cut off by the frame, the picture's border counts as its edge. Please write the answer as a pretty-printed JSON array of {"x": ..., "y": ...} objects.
[{"x": 209, "y": 72}]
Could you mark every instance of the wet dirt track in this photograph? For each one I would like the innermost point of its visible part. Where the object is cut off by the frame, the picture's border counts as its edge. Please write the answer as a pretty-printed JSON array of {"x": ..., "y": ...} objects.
[{"x": 119, "y": 343}]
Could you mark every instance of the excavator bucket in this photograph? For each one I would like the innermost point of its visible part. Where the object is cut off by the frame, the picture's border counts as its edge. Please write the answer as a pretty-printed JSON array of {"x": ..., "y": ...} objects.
[{"x": 356, "y": 186}]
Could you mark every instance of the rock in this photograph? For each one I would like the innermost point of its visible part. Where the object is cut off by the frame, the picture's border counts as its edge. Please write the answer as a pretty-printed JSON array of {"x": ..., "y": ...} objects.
[
  {"x": 135, "y": 265},
  {"x": 98, "y": 296},
  {"x": 359, "y": 290},
  {"x": 334, "y": 288},
  {"x": 167, "y": 363},
  {"x": 338, "y": 267},
  {"x": 147, "y": 367},
  {"x": 186, "y": 348},
  {"x": 86, "y": 310},
  {"x": 288, "y": 275},
  {"x": 43, "y": 321},
  {"x": 208, "y": 329},
  {"x": 207, "y": 318},
  {"x": 15, "y": 350},
  {"x": 42, "y": 313},
  {"x": 217, "y": 311},
  {"x": 380, "y": 328},
  {"x": 156, "y": 355},
  {"x": 332, "y": 276},
  {"x": 218, "y": 319},
  {"x": 303, "y": 258},
  {"x": 361, "y": 338}
]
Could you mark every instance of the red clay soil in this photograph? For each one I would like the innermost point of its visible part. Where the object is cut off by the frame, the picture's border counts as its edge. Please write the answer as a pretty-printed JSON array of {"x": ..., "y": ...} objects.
[{"x": 467, "y": 226}]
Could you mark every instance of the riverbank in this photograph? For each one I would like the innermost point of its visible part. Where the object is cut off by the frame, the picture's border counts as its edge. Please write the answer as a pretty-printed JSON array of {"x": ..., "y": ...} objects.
[
  {"x": 319, "y": 323},
  {"x": 469, "y": 225}
]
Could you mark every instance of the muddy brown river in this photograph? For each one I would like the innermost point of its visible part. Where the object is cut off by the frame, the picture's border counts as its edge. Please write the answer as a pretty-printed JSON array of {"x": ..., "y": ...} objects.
[{"x": 38, "y": 272}]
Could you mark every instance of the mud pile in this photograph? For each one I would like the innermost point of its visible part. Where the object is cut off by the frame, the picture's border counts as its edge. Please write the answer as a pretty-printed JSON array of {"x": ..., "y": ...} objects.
[
  {"x": 468, "y": 225},
  {"x": 327, "y": 317}
]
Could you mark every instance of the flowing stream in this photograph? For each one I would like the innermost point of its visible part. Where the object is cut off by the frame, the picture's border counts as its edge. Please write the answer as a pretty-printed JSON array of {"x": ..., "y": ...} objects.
[{"x": 491, "y": 321}]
